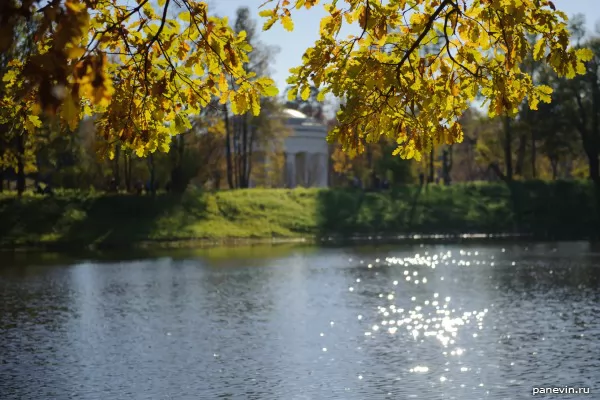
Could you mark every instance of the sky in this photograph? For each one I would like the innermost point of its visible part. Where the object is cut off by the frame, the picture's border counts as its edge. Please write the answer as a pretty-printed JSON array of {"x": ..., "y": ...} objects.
[{"x": 293, "y": 44}]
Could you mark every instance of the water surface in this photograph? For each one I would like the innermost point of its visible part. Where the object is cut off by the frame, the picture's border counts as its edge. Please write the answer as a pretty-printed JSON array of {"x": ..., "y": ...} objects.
[{"x": 400, "y": 322}]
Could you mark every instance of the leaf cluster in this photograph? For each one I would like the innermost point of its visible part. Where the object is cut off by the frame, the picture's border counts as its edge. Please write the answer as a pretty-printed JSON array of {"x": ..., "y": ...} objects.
[{"x": 418, "y": 64}]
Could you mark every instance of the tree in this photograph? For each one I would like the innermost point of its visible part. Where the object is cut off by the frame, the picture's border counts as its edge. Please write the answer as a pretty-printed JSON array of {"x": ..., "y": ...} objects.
[
  {"x": 585, "y": 98},
  {"x": 139, "y": 71},
  {"x": 143, "y": 73},
  {"x": 251, "y": 133},
  {"x": 392, "y": 89},
  {"x": 18, "y": 121}
]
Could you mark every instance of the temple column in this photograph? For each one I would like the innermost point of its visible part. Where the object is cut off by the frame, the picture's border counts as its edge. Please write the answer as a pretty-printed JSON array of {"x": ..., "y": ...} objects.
[
  {"x": 307, "y": 168},
  {"x": 290, "y": 165},
  {"x": 322, "y": 170}
]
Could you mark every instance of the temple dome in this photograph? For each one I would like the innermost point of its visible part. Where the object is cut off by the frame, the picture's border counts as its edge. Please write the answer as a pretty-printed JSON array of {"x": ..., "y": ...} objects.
[
  {"x": 295, "y": 117},
  {"x": 291, "y": 113}
]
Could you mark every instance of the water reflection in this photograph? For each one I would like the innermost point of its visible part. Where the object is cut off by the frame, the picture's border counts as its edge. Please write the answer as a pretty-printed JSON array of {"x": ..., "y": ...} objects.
[{"x": 426, "y": 322}]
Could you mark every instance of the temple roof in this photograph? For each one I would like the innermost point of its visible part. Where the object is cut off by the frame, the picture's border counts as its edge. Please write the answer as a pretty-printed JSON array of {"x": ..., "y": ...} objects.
[
  {"x": 295, "y": 113},
  {"x": 295, "y": 117}
]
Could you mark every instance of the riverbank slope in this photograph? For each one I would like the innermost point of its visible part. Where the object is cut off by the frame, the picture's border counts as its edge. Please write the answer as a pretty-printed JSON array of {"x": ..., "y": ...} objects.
[{"x": 562, "y": 209}]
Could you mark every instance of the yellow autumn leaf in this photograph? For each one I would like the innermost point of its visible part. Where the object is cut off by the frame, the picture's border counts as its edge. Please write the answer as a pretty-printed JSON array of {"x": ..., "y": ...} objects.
[
  {"x": 539, "y": 49},
  {"x": 255, "y": 104},
  {"x": 241, "y": 103},
  {"x": 35, "y": 120},
  {"x": 270, "y": 91},
  {"x": 75, "y": 52},
  {"x": 584, "y": 54},
  {"x": 321, "y": 95},
  {"x": 305, "y": 94},
  {"x": 223, "y": 86},
  {"x": 292, "y": 93},
  {"x": 70, "y": 112},
  {"x": 75, "y": 6},
  {"x": 288, "y": 23},
  {"x": 184, "y": 16}
]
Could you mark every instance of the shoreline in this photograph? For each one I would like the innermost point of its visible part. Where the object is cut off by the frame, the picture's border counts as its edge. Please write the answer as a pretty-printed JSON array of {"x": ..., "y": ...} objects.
[
  {"x": 358, "y": 240},
  {"x": 79, "y": 221}
]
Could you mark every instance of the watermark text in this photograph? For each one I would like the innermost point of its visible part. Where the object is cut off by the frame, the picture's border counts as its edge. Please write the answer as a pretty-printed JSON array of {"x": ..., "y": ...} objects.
[{"x": 537, "y": 390}]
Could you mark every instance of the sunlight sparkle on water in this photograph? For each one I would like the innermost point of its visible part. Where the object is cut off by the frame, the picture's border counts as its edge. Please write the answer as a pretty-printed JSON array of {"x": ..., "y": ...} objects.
[{"x": 427, "y": 319}]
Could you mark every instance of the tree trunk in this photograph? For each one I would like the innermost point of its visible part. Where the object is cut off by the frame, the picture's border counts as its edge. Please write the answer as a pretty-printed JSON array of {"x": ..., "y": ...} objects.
[
  {"x": 554, "y": 166},
  {"x": 116, "y": 170},
  {"x": 250, "y": 152},
  {"x": 520, "y": 167},
  {"x": 244, "y": 154},
  {"x": 594, "y": 166},
  {"x": 228, "y": 147},
  {"x": 508, "y": 149},
  {"x": 127, "y": 171},
  {"x": 178, "y": 180},
  {"x": 1, "y": 180},
  {"x": 237, "y": 151},
  {"x": 21, "y": 164},
  {"x": 447, "y": 165},
  {"x": 533, "y": 155},
  {"x": 152, "y": 169},
  {"x": 431, "y": 169}
]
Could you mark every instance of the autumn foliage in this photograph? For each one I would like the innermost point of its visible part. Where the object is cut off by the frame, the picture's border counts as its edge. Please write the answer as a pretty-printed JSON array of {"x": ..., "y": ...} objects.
[
  {"x": 418, "y": 64},
  {"x": 143, "y": 70},
  {"x": 140, "y": 73}
]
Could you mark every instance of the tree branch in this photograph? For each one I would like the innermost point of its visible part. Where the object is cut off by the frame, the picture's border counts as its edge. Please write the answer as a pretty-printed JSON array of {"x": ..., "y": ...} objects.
[
  {"x": 417, "y": 42},
  {"x": 151, "y": 42}
]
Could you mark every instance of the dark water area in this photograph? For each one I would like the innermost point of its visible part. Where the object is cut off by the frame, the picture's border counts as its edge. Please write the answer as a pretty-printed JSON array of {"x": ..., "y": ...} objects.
[{"x": 445, "y": 321}]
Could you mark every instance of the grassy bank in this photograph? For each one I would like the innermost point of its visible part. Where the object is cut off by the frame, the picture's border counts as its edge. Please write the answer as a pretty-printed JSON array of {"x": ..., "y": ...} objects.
[{"x": 76, "y": 220}]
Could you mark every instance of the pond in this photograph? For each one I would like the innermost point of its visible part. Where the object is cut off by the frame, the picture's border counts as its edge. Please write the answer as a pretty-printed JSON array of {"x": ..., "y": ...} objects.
[{"x": 435, "y": 321}]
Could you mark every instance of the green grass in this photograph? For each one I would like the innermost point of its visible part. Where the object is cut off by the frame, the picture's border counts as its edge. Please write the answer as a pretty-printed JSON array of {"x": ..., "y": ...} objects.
[{"x": 77, "y": 220}]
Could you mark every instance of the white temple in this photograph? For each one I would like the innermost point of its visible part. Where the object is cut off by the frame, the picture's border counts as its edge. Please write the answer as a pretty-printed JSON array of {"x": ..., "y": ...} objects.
[{"x": 306, "y": 152}]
